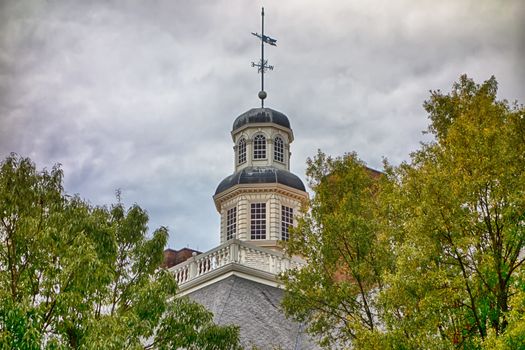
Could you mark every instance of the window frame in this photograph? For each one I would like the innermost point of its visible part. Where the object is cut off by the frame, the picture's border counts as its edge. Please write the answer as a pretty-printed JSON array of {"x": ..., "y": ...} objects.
[
  {"x": 241, "y": 151},
  {"x": 259, "y": 147},
  {"x": 258, "y": 220},
  {"x": 286, "y": 221},
  {"x": 278, "y": 149},
  {"x": 231, "y": 223}
]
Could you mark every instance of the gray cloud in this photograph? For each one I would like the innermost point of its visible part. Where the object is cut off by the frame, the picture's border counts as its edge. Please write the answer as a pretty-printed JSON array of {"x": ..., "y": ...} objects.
[{"x": 141, "y": 95}]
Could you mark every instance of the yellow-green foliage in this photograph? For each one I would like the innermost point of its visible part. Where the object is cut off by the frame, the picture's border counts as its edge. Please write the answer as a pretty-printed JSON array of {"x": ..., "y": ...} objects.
[{"x": 433, "y": 251}]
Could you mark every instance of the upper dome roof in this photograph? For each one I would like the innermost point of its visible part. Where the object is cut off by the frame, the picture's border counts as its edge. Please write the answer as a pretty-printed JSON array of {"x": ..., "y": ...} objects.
[
  {"x": 255, "y": 175},
  {"x": 261, "y": 115}
]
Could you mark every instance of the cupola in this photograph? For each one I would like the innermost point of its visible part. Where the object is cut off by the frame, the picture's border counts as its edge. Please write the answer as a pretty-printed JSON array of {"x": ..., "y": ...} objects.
[{"x": 260, "y": 200}]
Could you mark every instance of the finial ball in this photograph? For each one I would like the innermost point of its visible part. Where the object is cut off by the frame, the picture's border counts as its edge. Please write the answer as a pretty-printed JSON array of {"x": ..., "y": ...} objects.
[{"x": 262, "y": 94}]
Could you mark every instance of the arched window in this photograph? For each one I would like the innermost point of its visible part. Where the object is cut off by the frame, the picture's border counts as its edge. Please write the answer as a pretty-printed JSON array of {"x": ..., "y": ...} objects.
[
  {"x": 278, "y": 149},
  {"x": 241, "y": 151},
  {"x": 259, "y": 147}
]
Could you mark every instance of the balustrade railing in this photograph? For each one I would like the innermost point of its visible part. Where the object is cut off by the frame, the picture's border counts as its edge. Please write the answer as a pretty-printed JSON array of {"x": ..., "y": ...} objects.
[{"x": 234, "y": 251}]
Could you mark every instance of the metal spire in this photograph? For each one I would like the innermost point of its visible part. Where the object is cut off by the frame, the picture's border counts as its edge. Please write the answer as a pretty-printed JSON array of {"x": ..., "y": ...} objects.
[{"x": 263, "y": 66}]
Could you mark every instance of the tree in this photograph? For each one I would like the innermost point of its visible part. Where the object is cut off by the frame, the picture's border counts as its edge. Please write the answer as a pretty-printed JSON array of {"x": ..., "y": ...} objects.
[
  {"x": 462, "y": 200},
  {"x": 336, "y": 293},
  {"x": 77, "y": 276},
  {"x": 448, "y": 227}
]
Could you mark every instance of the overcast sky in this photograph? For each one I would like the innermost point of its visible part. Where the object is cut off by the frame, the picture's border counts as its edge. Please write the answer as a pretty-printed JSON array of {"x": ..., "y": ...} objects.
[{"x": 141, "y": 95}]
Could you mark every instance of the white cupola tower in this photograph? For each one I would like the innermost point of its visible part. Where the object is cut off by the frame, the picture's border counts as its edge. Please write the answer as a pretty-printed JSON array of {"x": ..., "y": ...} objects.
[
  {"x": 259, "y": 201},
  {"x": 258, "y": 205}
]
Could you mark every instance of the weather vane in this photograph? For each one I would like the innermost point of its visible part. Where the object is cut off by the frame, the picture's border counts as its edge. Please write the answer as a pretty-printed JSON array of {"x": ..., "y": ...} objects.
[{"x": 263, "y": 66}]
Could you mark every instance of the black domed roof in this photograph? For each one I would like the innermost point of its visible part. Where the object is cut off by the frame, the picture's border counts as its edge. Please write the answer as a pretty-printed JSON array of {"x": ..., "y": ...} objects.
[
  {"x": 255, "y": 175},
  {"x": 261, "y": 115}
]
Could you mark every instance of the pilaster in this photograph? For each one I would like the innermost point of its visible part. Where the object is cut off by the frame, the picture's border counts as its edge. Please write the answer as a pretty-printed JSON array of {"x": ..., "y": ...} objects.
[
  {"x": 249, "y": 152},
  {"x": 243, "y": 218},
  {"x": 274, "y": 217}
]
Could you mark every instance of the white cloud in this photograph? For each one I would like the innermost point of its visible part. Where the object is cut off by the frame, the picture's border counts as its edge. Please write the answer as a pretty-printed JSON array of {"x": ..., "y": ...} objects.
[{"x": 141, "y": 96}]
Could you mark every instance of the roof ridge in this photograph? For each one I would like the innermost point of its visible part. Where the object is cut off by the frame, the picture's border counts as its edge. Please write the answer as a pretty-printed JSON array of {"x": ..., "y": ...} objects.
[{"x": 226, "y": 300}]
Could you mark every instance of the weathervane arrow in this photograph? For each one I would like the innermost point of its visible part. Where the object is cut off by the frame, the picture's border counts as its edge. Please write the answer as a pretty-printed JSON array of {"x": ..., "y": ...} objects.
[
  {"x": 266, "y": 39},
  {"x": 262, "y": 65}
]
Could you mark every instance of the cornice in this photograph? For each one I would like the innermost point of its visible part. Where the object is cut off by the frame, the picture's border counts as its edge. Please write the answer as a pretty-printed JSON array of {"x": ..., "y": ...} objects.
[
  {"x": 240, "y": 189},
  {"x": 263, "y": 125},
  {"x": 231, "y": 269}
]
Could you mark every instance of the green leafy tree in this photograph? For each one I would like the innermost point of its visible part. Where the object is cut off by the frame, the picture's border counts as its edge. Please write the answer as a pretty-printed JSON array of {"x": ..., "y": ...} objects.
[
  {"x": 440, "y": 241},
  {"x": 76, "y": 276},
  {"x": 462, "y": 202},
  {"x": 514, "y": 335},
  {"x": 336, "y": 293}
]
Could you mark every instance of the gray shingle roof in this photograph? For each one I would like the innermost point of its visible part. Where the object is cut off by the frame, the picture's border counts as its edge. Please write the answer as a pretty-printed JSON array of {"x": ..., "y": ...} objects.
[
  {"x": 261, "y": 115},
  {"x": 254, "y": 307}
]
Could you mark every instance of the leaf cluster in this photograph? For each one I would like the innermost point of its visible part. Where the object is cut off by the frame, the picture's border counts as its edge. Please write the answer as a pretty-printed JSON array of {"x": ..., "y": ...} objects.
[
  {"x": 77, "y": 276},
  {"x": 344, "y": 247},
  {"x": 435, "y": 247}
]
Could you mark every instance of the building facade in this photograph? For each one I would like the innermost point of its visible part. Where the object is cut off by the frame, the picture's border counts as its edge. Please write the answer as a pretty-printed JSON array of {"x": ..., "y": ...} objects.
[
  {"x": 258, "y": 204},
  {"x": 258, "y": 201}
]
